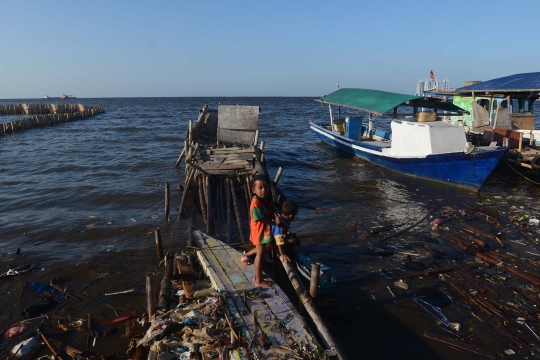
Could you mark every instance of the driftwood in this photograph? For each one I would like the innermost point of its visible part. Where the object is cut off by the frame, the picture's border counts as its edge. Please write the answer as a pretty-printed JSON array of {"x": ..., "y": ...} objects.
[
  {"x": 425, "y": 273},
  {"x": 306, "y": 300},
  {"x": 509, "y": 268},
  {"x": 64, "y": 291},
  {"x": 460, "y": 345},
  {"x": 53, "y": 350}
]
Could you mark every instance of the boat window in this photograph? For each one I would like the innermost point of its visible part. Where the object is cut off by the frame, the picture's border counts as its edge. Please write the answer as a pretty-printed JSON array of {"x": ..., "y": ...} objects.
[{"x": 484, "y": 103}]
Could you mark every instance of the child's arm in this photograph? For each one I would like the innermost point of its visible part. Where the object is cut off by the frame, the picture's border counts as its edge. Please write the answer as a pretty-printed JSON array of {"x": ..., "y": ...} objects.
[
  {"x": 282, "y": 253},
  {"x": 275, "y": 221}
]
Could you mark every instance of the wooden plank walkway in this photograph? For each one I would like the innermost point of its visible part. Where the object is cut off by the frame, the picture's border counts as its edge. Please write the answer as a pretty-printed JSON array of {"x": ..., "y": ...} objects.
[
  {"x": 269, "y": 317},
  {"x": 225, "y": 161}
]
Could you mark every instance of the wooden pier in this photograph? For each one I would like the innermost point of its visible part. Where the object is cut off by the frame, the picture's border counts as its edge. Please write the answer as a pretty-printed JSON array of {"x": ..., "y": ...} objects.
[
  {"x": 45, "y": 114},
  {"x": 220, "y": 158},
  {"x": 265, "y": 313}
]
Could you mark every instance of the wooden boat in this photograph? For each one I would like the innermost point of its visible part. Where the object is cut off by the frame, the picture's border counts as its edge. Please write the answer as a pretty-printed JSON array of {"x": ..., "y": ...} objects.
[{"x": 419, "y": 144}]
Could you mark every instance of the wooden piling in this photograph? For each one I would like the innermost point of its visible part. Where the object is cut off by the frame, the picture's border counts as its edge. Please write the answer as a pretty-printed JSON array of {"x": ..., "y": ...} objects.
[
  {"x": 159, "y": 246},
  {"x": 209, "y": 214},
  {"x": 167, "y": 202},
  {"x": 189, "y": 176},
  {"x": 202, "y": 199},
  {"x": 151, "y": 307},
  {"x": 314, "y": 285},
  {"x": 256, "y": 137},
  {"x": 229, "y": 213},
  {"x": 278, "y": 175},
  {"x": 237, "y": 211},
  {"x": 165, "y": 290}
]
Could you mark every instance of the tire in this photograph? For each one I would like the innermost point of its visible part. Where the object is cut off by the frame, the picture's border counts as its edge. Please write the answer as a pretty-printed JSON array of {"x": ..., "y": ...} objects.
[{"x": 535, "y": 163}]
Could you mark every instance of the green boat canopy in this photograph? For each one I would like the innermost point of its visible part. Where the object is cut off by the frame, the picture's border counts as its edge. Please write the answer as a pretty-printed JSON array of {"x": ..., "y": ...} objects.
[{"x": 379, "y": 102}]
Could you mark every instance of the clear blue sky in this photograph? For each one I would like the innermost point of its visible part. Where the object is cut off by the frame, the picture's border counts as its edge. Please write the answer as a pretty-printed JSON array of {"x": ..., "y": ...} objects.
[{"x": 251, "y": 48}]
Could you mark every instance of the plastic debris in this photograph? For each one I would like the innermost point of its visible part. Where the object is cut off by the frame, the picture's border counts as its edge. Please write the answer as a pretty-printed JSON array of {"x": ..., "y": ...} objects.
[
  {"x": 401, "y": 284},
  {"x": 24, "y": 347},
  {"x": 434, "y": 311},
  {"x": 15, "y": 331}
]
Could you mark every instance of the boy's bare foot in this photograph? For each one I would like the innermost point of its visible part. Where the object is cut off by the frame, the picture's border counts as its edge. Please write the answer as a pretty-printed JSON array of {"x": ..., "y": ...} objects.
[
  {"x": 245, "y": 260},
  {"x": 264, "y": 283}
]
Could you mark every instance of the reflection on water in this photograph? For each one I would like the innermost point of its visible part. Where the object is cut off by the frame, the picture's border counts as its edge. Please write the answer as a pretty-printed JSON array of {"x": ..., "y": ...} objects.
[{"x": 82, "y": 198}]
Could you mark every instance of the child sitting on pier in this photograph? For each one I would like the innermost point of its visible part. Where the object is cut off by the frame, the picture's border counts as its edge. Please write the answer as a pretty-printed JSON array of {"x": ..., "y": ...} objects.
[
  {"x": 261, "y": 220},
  {"x": 288, "y": 213}
]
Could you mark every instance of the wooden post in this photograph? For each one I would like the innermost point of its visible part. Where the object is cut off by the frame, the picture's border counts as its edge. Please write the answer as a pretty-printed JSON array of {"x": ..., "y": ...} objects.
[
  {"x": 164, "y": 292},
  {"x": 229, "y": 214},
  {"x": 237, "y": 211},
  {"x": 278, "y": 175},
  {"x": 306, "y": 300},
  {"x": 182, "y": 154},
  {"x": 520, "y": 142},
  {"x": 495, "y": 121},
  {"x": 190, "y": 141},
  {"x": 314, "y": 285},
  {"x": 531, "y": 141},
  {"x": 167, "y": 201},
  {"x": 151, "y": 307},
  {"x": 256, "y": 137},
  {"x": 202, "y": 199},
  {"x": 189, "y": 176},
  {"x": 209, "y": 214},
  {"x": 218, "y": 199},
  {"x": 247, "y": 194},
  {"x": 159, "y": 246}
]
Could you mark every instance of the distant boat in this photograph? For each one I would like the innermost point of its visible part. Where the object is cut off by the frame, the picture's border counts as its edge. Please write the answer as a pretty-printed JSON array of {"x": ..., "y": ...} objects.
[{"x": 64, "y": 96}]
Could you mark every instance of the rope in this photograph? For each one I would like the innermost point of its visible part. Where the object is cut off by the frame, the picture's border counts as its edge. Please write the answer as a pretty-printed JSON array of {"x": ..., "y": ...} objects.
[{"x": 520, "y": 174}]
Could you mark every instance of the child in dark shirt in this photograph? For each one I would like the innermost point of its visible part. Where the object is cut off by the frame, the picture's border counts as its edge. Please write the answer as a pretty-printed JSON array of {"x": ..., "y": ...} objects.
[{"x": 288, "y": 213}]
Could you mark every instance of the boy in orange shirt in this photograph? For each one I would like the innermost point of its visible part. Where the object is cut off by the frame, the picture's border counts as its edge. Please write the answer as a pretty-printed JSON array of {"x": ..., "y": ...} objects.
[{"x": 261, "y": 220}]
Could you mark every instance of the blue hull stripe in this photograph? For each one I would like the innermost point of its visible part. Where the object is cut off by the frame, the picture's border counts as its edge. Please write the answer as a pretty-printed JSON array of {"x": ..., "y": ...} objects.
[{"x": 469, "y": 171}]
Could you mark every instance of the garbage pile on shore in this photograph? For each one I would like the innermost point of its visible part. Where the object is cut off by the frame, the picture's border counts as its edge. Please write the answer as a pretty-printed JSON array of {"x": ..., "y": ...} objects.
[{"x": 197, "y": 325}]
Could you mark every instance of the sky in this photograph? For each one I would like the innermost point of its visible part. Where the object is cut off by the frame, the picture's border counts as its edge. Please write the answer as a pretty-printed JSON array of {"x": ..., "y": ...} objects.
[{"x": 119, "y": 48}]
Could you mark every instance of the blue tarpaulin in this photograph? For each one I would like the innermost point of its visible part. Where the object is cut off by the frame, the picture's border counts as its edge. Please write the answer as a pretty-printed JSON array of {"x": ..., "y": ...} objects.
[{"x": 527, "y": 82}]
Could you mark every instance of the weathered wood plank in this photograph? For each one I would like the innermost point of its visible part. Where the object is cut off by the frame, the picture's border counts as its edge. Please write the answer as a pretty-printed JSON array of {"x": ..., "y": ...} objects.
[
  {"x": 262, "y": 316},
  {"x": 217, "y": 166}
]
